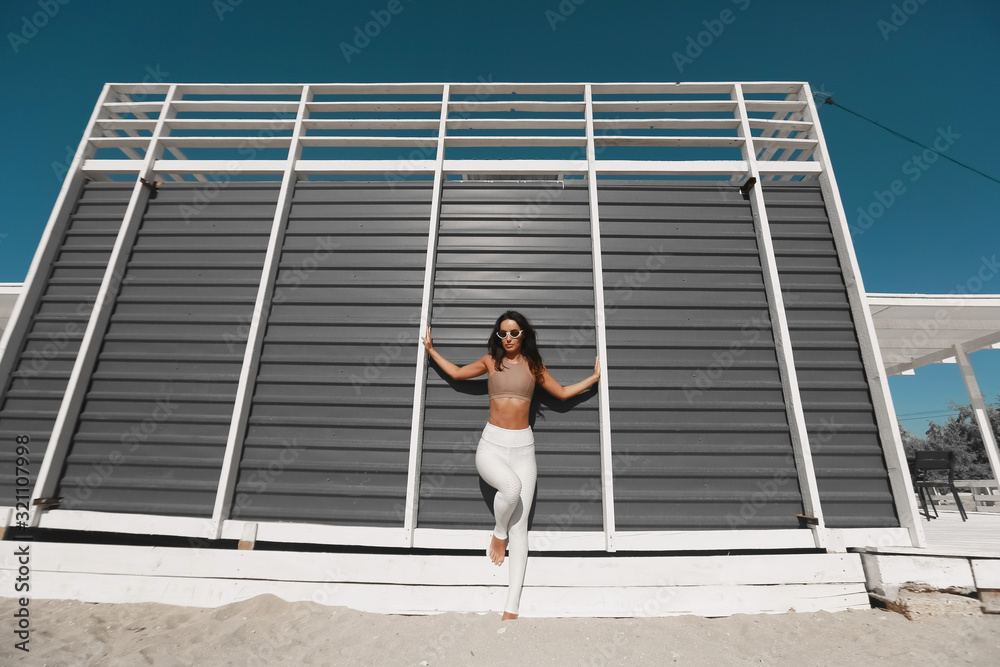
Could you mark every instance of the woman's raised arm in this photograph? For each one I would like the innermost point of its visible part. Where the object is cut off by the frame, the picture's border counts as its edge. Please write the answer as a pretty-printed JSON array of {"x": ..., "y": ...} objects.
[
  {"x": 550, "y": 385},
  {"x": 467, "y": 372}
]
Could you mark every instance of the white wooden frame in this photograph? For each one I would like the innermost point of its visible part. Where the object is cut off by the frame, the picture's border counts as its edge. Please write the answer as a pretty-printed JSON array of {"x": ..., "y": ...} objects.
[
  {"x": 426, "y": 299},
  {"x": 108, "y": 129},
  {"x": 604, "y": 400},
  {"x": 801, "y": 449}
]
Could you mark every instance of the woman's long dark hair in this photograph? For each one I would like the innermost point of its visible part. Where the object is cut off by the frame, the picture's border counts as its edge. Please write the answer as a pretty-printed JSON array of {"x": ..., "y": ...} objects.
[{"x": 529, "y": 344}]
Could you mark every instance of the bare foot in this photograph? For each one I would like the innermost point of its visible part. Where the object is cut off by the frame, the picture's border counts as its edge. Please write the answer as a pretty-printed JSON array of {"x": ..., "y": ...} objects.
[
  {"x": 507, "y": 616},
  {"x": 497, "y": 549}
]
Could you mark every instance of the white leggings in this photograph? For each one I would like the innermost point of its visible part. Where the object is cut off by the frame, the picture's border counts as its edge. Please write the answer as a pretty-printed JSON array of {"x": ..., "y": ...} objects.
[{"x": 505, "y": 458}]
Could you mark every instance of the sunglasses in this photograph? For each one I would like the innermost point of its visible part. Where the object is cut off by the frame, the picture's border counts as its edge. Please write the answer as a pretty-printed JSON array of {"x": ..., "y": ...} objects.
[{"x": 516, "y": 333}]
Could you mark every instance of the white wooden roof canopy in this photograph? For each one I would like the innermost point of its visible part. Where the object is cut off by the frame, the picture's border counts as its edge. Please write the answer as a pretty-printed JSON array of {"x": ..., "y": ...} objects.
[{"x": 918, "y": 329}]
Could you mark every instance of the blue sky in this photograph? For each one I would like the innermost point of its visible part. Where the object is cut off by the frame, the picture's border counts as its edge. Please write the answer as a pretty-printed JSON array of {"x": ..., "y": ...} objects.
[{"x": 924, "y": 68}]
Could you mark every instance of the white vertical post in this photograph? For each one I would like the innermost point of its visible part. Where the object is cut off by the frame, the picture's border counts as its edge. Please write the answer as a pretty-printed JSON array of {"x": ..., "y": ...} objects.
[
  {"x": 48, "y": 247},
  {"x": 603, "y": 405},
  {"x": 782, "y": 339},
  {"x": 979, "y": 410},
  {"x": 79, "y": 379},
  {"x": 878, "y": 384},
  {"x": 258, "y": 325},
  {"x": 420, "y": 378}
]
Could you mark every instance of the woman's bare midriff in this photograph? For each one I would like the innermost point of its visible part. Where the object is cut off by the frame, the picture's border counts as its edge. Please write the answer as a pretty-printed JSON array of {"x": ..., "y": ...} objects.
[{"x": 510, "y": 413}]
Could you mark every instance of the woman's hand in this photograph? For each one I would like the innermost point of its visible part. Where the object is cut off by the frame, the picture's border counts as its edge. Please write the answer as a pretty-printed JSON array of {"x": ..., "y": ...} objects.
[
  {"x": 428, "y": 343},
  {"x": 597, "y": 367}
]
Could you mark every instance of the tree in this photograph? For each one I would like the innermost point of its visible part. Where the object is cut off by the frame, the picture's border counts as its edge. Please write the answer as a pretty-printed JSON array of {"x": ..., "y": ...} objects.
[{"x": 960, "y": 435}]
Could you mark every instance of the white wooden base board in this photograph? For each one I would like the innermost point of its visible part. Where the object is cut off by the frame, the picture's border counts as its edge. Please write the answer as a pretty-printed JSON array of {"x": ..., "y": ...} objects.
[
  {"x": 551, "y": 602},
  {"x": 425, "y": 584}
]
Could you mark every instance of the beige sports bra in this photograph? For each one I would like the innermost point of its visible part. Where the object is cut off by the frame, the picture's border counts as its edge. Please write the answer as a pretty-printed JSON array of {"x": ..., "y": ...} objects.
[{"x": 514, "y": 381}]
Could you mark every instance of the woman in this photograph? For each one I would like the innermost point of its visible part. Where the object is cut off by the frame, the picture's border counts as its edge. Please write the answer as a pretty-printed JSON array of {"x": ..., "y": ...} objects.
[{"x": 505, "y": 457}]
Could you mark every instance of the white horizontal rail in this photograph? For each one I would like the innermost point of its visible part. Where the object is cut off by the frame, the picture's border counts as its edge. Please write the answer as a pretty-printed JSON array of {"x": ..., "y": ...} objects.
[
  {"x": 321, "y": 107},
  {"x": 671, "y": 167},
  {"x": 524, "y": 140},
  {"x": 133, "y": 107},
  {"x": 236, "y": 105},
  {"x": 526, "y": 105},
  {"x": 667, "y": 141},
  {"x": 126, "y": 123},
  {"x": 230, "y": 123},
  {"x": 462, "y": 166},
  {"x": 370, "y": 124},
  {"x": 509, "y": 123},
  {"x": 664, "y": 105},
  {"x": 775, "y": 105},
  {"x": 775, "y": 125},
  {"x": 430, "y": 88},
  {"x": 666, "y": 123},
  {"x": 369, "y": 141}
]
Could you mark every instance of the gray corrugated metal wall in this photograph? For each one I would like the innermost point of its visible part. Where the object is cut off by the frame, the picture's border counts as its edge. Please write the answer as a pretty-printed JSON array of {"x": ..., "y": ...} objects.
[
  {"x": 38, "y": 382},
  {"x": 525, "y": 247},
  {"x": 164, "y": 385},
  {"x": 329, "y": 430},
  {"x": 698, "y": 423},
  {"x": 847, "y": 453}
]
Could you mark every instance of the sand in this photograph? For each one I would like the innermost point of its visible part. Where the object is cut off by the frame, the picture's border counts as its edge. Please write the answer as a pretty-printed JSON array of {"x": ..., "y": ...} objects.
[{"x": 267, "y": 630}]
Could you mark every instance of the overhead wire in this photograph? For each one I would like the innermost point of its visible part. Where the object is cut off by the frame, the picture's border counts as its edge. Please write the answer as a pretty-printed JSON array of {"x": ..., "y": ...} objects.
[{"x": 828, "y": 99}]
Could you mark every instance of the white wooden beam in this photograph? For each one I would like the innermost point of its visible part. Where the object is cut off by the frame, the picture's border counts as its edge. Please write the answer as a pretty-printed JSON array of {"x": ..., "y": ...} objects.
[
  {"x": 671, "y": 167},
  {"x": 90, "y": 345},
  {"x": 666, "y": 123},
  {"x": 231, "y": 123},
  {"x": 426, "y": 302},
  {"x": 256, "y": 167},
  {"x": 600, "y": 328},
  {"x": 377, "y": 167},
  {"x": 288, "y": 532},
  {"x": 520, "y": 123},
  {"x": 370, "y": 124},
  {"x": 516, "y": 140},
  {"x": 979, "y": 410},
  {"x": 518, "y": 105},
  {"x": 647, "y": 140},
  {"x": 258, "y": 326},
  {"x": 230, "y": 106},
  {"x": 515, "y": 166},
  {"x": 373, "y": 106},
  {"x": 668, "y": 106},
  {"x": 878, "y": 385},
  {"x": 132, "y": 524},
  {"x": 783, "y": 106},
  {"x": 801, "y": 449}
]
